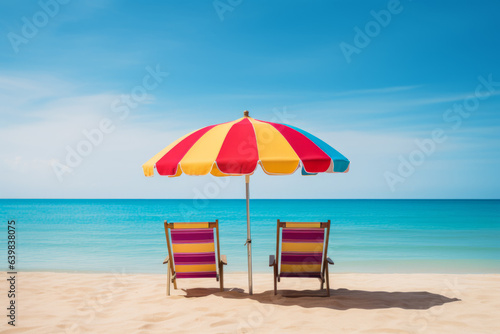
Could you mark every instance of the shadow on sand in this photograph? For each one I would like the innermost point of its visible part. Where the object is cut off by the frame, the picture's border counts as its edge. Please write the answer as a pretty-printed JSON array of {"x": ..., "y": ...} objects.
[{"x": 340, "y": 299}]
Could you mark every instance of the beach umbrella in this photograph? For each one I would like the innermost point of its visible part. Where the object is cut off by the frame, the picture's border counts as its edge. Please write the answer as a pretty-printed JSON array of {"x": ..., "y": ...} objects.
[{"x": 236, "y": 148}]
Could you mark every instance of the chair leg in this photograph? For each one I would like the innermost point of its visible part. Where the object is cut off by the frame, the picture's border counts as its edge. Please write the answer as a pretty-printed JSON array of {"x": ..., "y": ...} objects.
[
  {"x": 327, "y": 282},
  {"x": 221, "y": 271},
  {"x": 322, "y": 279},
  {"x": 169, "y": 278},
  {"x": 275, "y": 280}
]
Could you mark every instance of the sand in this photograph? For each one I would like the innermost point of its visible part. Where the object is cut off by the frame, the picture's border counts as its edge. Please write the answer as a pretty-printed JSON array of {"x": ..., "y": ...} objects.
[{"x": 359, "y": 303}]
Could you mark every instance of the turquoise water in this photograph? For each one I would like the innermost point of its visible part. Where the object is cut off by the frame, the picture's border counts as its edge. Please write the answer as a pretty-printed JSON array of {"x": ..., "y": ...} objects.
[{"x": 390, "y": 236}]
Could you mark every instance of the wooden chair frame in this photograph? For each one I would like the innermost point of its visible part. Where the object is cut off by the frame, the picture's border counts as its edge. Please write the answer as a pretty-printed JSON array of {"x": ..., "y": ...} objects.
[
  {"x": 221, "y": 259},
  {"x": 274, "y": 261}
]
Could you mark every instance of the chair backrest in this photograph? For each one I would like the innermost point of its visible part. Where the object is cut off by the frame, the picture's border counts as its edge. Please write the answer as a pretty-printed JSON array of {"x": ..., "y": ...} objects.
[
  {"x": 192, "y": 249},
  {"x": 303, "y": 248}
]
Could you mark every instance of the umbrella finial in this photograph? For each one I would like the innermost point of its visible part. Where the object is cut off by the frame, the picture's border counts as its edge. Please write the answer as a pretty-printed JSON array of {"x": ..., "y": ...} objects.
[{"x": 245, "y": 113}]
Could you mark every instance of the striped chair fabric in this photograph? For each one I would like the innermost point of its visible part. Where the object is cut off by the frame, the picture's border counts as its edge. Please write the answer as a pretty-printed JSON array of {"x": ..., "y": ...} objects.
[
  {"x": 194, "y": 252},
  {"x": 302, "y": 252}
]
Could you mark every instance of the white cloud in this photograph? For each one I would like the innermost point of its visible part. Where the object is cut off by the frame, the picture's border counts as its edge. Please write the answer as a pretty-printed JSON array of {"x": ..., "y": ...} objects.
[{"x": 113, "y": 168}]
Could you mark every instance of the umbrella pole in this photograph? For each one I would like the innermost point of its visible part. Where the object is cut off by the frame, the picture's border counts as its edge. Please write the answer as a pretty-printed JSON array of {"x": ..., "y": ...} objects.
[{"x": 249, "y": 239}]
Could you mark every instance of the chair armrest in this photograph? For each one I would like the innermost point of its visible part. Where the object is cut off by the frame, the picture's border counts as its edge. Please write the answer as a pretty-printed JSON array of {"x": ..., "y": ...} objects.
[
  {"x": 223, "y": 259},
  {"x": 166, "y": 260},
  {"x": 272, "y": 261},
  {"x": 330, "y": 261}
]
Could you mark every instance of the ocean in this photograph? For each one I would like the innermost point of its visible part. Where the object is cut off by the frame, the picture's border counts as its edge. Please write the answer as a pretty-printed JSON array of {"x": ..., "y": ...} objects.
[{"x": 372, "y": 236}]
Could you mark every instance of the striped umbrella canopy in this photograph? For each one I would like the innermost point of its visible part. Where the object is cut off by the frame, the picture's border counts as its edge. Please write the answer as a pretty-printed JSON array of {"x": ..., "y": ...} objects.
[{"x": 238, "y": 147}]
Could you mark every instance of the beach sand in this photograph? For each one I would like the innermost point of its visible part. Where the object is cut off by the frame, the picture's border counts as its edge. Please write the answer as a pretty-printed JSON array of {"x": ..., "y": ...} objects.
[{"x": 360, "y": 303}]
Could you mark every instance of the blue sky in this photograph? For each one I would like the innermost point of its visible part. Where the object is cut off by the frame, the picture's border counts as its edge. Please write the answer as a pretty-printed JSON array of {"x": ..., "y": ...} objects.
[{"x": 65, "y": 66}]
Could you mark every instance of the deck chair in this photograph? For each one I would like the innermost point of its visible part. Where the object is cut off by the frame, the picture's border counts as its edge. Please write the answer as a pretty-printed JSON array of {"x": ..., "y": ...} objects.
[
  {"x": 191, "y": 252},
  {"x": 303, "y": 252}
]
